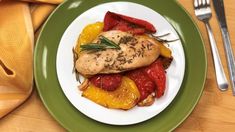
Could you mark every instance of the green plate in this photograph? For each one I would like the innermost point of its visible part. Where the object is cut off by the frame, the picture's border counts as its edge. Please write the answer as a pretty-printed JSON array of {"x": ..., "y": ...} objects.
[{"x": 70, "y": 118}]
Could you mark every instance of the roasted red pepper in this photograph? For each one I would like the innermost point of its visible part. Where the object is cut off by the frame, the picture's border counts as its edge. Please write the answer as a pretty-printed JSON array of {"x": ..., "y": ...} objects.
[
  {"x": 126, "y": 23},
  {"x": 127, "y": 27},
  {"x": 109, "y": 82},
  {"x": 157, "y": 74},
  {"x": 149, "y": 79},
  {"x": 145, "y": 85}
]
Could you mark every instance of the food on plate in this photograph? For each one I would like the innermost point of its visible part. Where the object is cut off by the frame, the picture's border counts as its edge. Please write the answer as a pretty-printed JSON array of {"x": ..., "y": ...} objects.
[
  {"x": 124, "y": 97},
  {"x": 135, "y": 51},
  {"x": 123, "y": 62},
  {"x": 114, "y": 21},
  {"x": 108, "y": 82},
  {"x": 89, "y": 33}
]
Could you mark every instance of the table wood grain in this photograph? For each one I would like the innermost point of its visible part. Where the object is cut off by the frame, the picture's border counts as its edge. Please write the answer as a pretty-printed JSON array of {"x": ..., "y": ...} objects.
[{"x": 214, "y": 112}]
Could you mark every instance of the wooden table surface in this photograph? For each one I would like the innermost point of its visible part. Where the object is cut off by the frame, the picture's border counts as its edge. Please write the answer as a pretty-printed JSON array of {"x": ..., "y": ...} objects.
[{"x": 214, "y": 112}]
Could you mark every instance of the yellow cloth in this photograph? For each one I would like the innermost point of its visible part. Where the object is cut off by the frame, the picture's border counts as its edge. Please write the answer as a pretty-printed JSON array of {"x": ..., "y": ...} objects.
[
  {"x": 16, "y": 55},
  {"x": 39, "y": 14},
  {"x": 46, "y": 1},
  {"x": 17, "y": 25}
]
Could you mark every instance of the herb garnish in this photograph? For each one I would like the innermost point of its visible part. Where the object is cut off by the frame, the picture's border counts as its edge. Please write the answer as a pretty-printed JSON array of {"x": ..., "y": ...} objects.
[
  {"x": 158, "y": 38},
  {"x": 75, "y": 57},
  {"x": 105, "y": 43}
]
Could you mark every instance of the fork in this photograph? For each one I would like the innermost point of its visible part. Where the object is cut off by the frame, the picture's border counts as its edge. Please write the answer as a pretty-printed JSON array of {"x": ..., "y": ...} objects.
[{"x": 203, "y": 12}]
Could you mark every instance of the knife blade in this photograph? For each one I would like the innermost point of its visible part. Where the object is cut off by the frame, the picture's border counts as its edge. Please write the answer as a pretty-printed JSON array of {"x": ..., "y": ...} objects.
[
  {"x": 220, "y": 13},
  {"x": 219, "y": 9}
]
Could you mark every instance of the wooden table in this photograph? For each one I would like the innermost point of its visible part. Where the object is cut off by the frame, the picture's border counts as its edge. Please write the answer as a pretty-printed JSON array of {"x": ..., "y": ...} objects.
[{"x": 214, "y": 112}]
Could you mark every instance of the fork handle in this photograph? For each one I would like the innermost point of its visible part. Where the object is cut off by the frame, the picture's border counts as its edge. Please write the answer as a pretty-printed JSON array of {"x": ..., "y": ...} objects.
[
  {"x": 230, "y": 57},
  {"x": 219, "y": 71}
]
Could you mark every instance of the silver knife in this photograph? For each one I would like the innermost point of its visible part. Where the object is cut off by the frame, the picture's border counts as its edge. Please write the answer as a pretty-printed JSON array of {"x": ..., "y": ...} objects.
[{"x": 220, "y": 13}]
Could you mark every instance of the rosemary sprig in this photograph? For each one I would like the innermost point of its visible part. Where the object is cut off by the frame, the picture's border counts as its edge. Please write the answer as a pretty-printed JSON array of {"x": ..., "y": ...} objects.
[
  {"x": 105, "y": 43},
  {"x": 108, "y": 42},
  {"x": 92, "y": 46},
  {"x": 75, "y": 57},
  {"x": 166, "y": 41},
  {"x": 158, "y": 38},
  {"x": 163, "y": 35}
]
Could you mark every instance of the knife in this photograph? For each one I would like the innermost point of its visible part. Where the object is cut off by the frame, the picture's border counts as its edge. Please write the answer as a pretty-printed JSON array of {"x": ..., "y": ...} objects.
[{"x": 220, "y": 13}]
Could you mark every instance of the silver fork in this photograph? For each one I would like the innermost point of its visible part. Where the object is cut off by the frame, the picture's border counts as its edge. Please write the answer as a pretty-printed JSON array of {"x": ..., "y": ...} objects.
[{"x": 203, "y": 12}]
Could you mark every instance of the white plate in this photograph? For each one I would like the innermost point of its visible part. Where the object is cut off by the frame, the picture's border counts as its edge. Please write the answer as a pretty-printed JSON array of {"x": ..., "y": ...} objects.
[{"x": 64, "y": 65}]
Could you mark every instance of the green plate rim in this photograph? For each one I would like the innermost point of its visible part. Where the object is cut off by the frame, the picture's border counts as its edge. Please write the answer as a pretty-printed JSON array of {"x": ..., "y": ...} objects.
[
  {"x": 206, "y": 66},
  {"x": 45, "y": 100}
]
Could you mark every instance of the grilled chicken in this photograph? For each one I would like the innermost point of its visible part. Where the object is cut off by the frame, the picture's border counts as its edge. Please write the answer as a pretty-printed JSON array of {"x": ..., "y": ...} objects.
[{"x": 135, "y": 52}]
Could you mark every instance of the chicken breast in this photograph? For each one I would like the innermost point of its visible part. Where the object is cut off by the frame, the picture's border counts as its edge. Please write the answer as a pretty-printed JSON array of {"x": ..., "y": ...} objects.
[{"x": 135, "y": 52}]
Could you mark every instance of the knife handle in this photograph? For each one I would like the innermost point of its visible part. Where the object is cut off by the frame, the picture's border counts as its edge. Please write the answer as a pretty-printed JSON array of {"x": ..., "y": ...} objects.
[
  {"x": 219, "y": 71},
  {"x": 230, "y": 57}
]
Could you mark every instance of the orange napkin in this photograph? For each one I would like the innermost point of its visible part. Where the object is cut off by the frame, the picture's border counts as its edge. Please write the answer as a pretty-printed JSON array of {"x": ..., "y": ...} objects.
[
  {"x": 46, "y": 1},
  {"x": 39, "y": 13},
  {"x": 18, "y": 21}
]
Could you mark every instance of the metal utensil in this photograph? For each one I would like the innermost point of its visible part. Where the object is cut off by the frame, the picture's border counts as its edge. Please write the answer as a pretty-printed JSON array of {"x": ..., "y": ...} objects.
[
  {"x": 219, "y": 9},
  {"x": 203, "y": 12}
]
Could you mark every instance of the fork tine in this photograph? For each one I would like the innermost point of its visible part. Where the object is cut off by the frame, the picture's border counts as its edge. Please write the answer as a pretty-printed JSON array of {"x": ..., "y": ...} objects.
[
  {"x": 207, "y": 2},
  {"x": 203, "y": 2},
  {"x": 199, "y": 3},
  {"x": 195, "y": 3}
]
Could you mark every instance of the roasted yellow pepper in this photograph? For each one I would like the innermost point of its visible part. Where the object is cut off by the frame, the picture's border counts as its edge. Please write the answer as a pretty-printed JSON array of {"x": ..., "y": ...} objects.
[
  {"x": 89, "y": 33},
  {"x": 164, "y": 51},
  {"x": 124, "y": 97}
]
